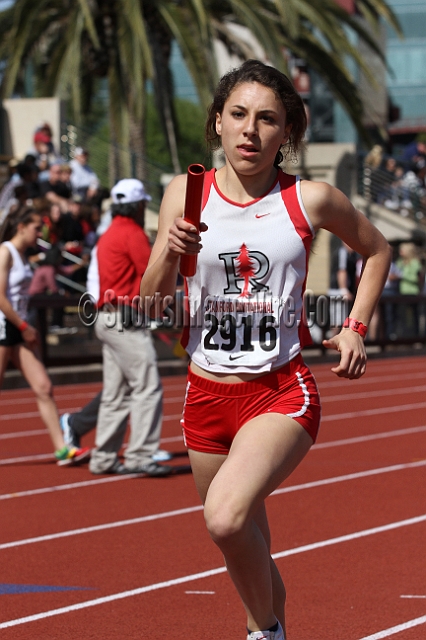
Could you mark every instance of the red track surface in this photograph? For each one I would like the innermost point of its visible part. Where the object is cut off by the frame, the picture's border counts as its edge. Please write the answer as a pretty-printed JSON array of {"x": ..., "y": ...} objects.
[{"x": 349, "y": 527}]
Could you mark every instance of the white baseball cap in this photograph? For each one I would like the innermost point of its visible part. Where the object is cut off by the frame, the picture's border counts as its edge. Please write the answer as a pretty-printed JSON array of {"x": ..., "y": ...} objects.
[
  {"x": 79, "y": 151},
  {"x": 129, "y": 190}
]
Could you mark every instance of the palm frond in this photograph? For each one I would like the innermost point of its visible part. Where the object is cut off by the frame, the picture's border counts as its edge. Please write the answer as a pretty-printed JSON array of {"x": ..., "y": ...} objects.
[{"x": 89, "y": 23}]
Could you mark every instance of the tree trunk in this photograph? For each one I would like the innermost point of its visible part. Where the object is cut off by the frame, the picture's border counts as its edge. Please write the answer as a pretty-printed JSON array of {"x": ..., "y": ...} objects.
[
  {"x": 163, "y": 89},
  {"x": 137, "y": 148}
]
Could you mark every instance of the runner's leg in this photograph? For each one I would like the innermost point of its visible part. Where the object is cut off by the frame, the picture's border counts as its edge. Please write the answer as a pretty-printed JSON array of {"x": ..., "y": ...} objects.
[
  {"x": 264, "y": 452},
  {"x": 36, "y": 375}
]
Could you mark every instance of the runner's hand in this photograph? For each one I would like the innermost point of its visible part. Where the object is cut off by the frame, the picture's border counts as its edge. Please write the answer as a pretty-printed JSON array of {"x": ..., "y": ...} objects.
[
  {"x": 184, "y": 238},
  {"x": 30, "y": 335},
  {"x": 353, "y": 358}
]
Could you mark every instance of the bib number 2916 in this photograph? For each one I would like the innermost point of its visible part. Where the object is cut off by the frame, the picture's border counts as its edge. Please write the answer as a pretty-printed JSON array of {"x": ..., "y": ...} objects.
[{"x": 228, "y": 331}]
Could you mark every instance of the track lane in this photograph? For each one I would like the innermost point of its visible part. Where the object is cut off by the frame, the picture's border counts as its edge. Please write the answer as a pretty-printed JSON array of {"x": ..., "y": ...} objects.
[{"x": 173, "y": 603}]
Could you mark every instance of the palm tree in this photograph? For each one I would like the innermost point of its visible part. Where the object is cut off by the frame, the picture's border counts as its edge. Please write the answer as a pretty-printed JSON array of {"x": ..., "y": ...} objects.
[{"x": 72, "y": 42}]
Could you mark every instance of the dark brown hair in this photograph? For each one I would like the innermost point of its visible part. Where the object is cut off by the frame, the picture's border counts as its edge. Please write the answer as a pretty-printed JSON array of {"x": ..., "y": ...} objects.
[
  {"x": 256, "y": 71},
  {"x": 22, "y": 215}
]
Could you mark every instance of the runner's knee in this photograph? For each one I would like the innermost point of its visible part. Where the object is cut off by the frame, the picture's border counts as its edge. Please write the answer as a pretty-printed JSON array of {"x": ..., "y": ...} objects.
[
  {"x": 225, "y": 522},
  {"x": 43, "y": 389}
]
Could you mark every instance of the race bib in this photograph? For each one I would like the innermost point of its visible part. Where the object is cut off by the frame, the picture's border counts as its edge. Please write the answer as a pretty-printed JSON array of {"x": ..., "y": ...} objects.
[
  {"x": 21, "y": 305},
  {"x": 241, "y": 331}
]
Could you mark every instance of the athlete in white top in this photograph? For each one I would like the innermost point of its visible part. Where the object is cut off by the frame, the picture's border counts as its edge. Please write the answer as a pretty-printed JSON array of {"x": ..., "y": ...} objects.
[
  {"x": 250, "y": 280},
  {"x": 20, "y": 276},
  {"x": 18, "y": 339},
  {"x": 247, "y": 415}
]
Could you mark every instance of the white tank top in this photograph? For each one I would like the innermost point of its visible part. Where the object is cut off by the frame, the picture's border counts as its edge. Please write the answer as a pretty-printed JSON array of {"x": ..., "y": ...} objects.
[
  {"x": 246, "y": 299},
  {"x": 20, "y": 276}
]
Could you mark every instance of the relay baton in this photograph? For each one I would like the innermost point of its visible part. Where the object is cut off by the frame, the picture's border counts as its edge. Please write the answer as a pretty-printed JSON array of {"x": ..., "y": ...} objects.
[{"x": 192, "y": 212}]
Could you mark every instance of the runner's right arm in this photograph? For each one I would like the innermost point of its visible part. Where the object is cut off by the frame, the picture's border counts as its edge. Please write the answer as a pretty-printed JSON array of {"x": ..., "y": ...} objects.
[{"x": 174, "y": 239}]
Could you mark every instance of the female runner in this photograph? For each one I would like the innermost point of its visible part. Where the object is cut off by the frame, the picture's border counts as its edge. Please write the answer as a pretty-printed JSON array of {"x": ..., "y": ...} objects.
[
  {"x": 18, "y": 339},
  {"x": 252, "y": 409}
]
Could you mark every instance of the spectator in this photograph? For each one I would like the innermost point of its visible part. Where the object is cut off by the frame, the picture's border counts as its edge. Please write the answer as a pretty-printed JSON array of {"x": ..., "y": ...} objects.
[
  {"x": 411, "y": 283},
  {"x": 46, "y": 261},
  {"x": 18, "y": 339},
  {"x": 130, "y": 375},
  {"x": 27, "y": 179},
  {"x": 89, "y": 220},
  {"x": 66, "y": 172},
  {"x": 43, "y": 149},
  {"x": 372, "y": 172},
  {"x": 73, "y": 234},
  {"x": 413, "y": 185},
  {"x": 84, "y": 181},
  {"x": 390, "y": 309},
  {"x": 387, "y": 179},
  {"x": 54, "y": 189},
  {"x": 399, "y": 191},
  {"x": 343, "y": 285},
  {"x": 414, "y": 154},
  {"x": 76, "y": 425}
]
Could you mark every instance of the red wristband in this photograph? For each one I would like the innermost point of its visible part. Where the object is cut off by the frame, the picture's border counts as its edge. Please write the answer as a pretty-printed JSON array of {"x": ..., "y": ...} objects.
[
  {"x": 355, "y": 325},
  {"x": 23, "y": 326}
]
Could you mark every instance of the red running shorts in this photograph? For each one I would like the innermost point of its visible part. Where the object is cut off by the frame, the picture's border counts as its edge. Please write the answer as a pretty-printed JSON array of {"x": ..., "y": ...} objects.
[{"x": 214, "y": 411}]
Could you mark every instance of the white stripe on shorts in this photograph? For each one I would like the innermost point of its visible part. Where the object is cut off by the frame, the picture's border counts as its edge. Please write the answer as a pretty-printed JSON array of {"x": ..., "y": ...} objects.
[{"x": 305, "y": 395}]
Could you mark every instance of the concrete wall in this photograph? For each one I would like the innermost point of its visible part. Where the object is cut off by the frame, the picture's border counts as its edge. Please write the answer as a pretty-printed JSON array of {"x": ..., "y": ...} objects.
[{"x": 20, "y": 119}]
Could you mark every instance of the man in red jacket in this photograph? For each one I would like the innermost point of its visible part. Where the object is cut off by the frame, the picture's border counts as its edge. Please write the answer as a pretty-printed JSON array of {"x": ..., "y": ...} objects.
[{"x": 131, "y": 383}]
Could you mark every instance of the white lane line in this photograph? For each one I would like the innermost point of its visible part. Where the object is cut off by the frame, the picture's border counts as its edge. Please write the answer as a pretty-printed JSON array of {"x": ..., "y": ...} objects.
[
  {"x": 393, "y": 630},
  {"x": 350, "y": 476},
  {"x": 316, "y": 483},
  {"x": 35, "y": 414},
  {"x": 336, "y": 416},
  {"x": 350, "y": 536},
  {"x": 33, "y": 458},
  {"x": 178, "y": 416},
  {"x": 214, "y": 572},
  {"x": 330, "y": 384},
  {"x": 179, "y": 512},
  {"x": 30, "y": 414},
  {"x": 82, "y": 394},
  {"x": 320, "y": 445},
  {"x": 23, "y": 434},
  {"x": 412, "y": 596},
  {"x": 324, "y": 399},
  {"x": 101, "y": 527},
  {"x": 374, "y": 412},
  {"x": 343, "y": 383},
  {"x": 41, "y": 432},
  {"x": 49, "y": 456},
  {"x": 32, "y": 400},
  {"x": 65, "y": 487},
  {"x": 372, "y": 436},
  {"x": 379, "y": 393}
]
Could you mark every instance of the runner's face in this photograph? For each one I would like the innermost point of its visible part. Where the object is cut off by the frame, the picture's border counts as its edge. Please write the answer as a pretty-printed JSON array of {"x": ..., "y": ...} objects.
[
  {"x": 31, "y": 231},
  {"x": 252, "y": 127}
]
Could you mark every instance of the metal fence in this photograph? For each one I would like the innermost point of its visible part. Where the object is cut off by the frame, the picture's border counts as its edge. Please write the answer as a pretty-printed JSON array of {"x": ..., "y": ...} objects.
[{"x": 394, "y": 185}]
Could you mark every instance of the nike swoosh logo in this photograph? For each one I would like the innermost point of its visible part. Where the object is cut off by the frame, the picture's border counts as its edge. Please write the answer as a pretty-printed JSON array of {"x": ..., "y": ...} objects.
[
  {"x": 262, "y": 215},
  {"x": 231, "y": 357}
]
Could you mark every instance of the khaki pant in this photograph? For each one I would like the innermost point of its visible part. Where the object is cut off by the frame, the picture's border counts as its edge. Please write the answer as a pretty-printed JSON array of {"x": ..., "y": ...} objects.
[{"x": 131, "y": 386}]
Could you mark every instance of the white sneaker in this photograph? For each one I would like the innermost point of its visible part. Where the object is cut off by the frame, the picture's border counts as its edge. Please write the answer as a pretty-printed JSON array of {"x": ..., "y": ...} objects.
[
  {"x": 162, "y": 456},
  {"x": 267, "y": 635}
]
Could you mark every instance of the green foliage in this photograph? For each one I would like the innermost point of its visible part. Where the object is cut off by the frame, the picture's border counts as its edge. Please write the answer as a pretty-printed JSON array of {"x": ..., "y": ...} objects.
[
  {"x": 128, "y": 42},
  {"x": 156, "y": 145},
  {"x": 191, "y": 146}
]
